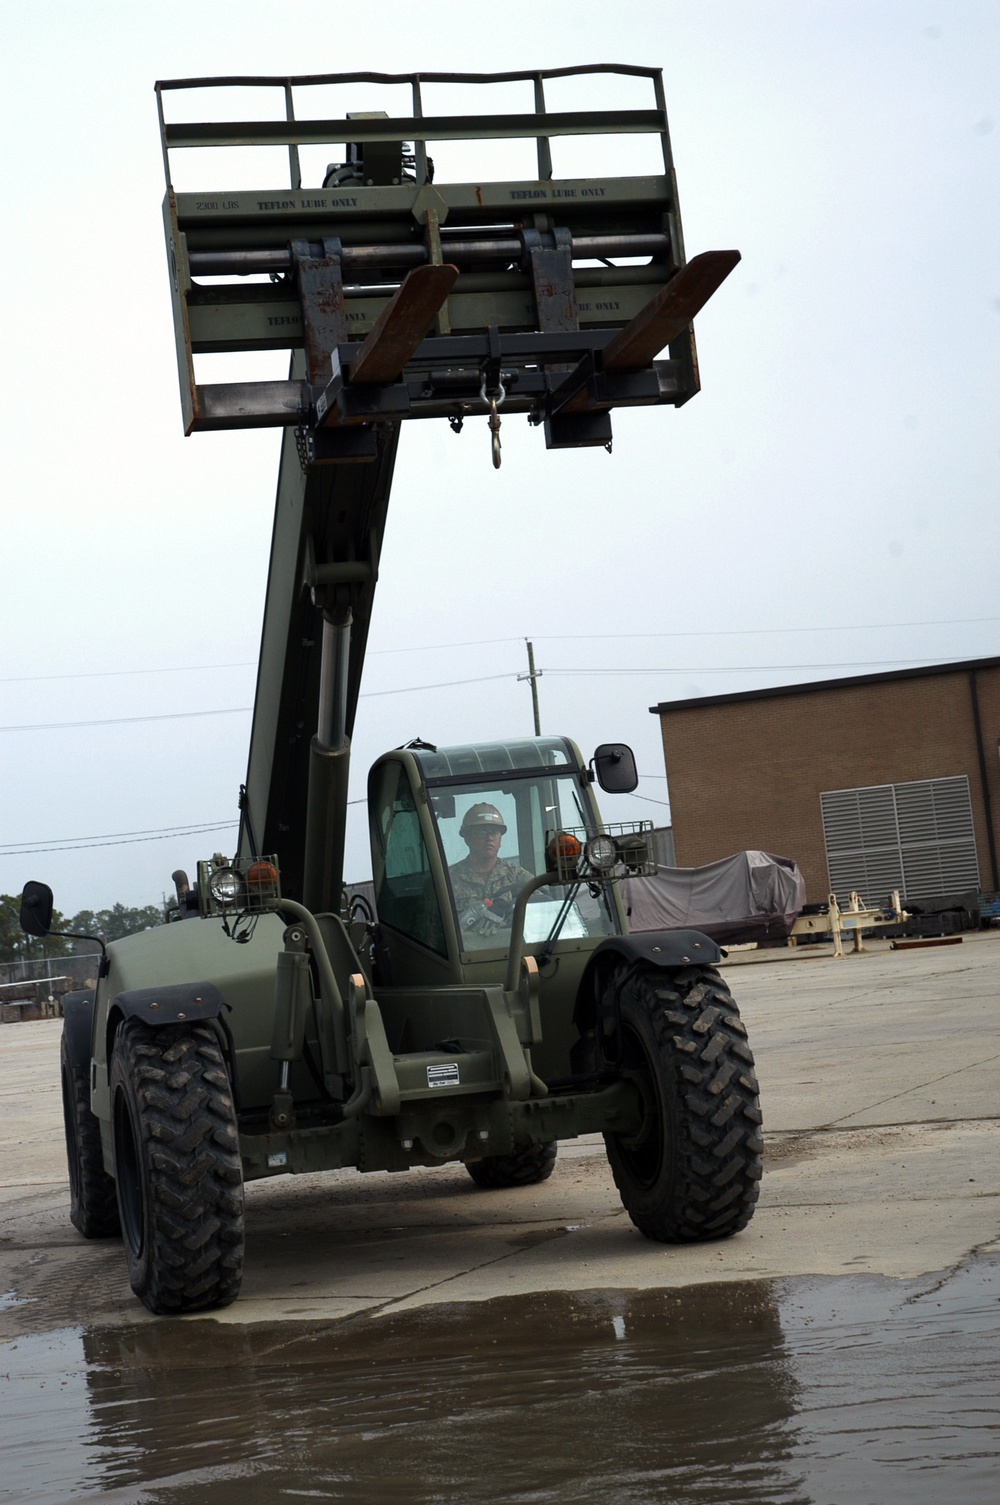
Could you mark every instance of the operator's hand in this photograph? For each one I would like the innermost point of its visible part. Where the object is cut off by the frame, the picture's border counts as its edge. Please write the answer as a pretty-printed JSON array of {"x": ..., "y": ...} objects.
[{"x": 483, "y": 919}]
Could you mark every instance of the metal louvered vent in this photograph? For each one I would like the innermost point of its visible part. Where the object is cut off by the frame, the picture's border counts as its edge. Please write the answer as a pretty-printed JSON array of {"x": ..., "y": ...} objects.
[{"x": 916, "y": 837}]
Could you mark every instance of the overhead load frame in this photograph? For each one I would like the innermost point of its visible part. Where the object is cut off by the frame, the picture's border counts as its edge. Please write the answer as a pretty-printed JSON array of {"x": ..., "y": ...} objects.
[{"x": 403, "y": 297}]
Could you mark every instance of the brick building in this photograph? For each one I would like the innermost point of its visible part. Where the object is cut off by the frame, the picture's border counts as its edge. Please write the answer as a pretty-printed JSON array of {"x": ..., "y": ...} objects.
[{"x": 875, "y": 782}]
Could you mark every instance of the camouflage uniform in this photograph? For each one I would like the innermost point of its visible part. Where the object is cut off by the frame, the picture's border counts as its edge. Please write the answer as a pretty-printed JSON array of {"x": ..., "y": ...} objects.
[{"x": 498, "y": 888}]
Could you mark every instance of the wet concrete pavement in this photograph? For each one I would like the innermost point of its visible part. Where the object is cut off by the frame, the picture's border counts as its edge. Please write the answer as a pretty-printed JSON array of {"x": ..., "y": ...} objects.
[
  {"x": 880, "y": 1084},
  {"x": 816, "y": 1389},
  {"x": 501, "y": 1344}
]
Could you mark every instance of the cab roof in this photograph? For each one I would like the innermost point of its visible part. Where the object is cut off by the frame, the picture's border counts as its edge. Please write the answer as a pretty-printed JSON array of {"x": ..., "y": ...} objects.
[{"x": 478, "y": 758}]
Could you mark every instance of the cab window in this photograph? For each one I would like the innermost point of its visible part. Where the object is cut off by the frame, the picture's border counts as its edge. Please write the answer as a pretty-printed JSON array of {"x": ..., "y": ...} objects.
[
  {"x": 483, "y": 898},
  {"x": 405, "y": 895}
]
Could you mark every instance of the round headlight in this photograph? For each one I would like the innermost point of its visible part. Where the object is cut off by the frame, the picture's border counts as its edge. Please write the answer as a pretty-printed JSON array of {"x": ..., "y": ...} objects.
[
  {"x": 602, "y": 853},
  {"x": 226, "y": 887},
  {"x": 634, "y": 852}
]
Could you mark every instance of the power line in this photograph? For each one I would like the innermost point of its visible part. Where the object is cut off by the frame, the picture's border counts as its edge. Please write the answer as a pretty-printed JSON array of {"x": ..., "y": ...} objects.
[
  {"x": 129, "y": 838},
  {"x": 445, "y": 684},
  {"x": 53, "y": 726},
  {"x": 727, "y": 632},
  {"x": 481, "y": 679},
  {"x": 734, "y": 632},
  {"x": 34, "y": 679},
  {"x": 192, "y": 829},
  {"x": 164, "y": 833},
  {"x": 438, "y": 647},
  {"x": 540, "y": 637},
  {"x": 124, "y": 842},
  {"x": 879, "y": 663}
]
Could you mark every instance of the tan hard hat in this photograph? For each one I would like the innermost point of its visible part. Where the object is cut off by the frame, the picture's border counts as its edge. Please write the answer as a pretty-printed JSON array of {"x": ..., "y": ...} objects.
[{"x": 482, "y": 815}]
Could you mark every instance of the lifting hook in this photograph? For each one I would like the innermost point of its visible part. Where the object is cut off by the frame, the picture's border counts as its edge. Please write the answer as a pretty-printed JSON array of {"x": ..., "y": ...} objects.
[{"x": 493, "y": 400}]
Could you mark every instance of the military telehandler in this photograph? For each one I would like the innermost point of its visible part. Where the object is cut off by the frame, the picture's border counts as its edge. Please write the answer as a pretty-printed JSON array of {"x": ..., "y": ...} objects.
[{"x": 492, "y": 1001}]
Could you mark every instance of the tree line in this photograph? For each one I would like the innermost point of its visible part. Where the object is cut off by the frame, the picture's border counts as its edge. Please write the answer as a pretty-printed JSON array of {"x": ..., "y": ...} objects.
[{"x": 110, "y": 924}]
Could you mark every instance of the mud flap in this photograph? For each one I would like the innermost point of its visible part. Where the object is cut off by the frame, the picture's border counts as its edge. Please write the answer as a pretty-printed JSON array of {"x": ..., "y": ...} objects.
[{"x": 78, "y": 1026}]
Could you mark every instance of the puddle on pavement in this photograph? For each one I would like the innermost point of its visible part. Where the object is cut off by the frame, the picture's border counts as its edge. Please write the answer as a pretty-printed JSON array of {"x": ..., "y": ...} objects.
[{"x": 852, "y": 1390}]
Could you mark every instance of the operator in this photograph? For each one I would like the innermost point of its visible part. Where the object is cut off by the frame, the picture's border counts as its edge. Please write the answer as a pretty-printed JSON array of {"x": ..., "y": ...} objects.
[{"x": 485, "y": 885}]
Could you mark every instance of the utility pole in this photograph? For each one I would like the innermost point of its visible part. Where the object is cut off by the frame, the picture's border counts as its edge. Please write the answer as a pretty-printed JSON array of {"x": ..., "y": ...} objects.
[{"x": 533, "y": 675}]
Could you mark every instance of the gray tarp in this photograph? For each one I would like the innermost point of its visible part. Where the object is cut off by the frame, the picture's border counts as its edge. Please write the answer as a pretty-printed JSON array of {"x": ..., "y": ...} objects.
[{"x": 748, "y": 897}]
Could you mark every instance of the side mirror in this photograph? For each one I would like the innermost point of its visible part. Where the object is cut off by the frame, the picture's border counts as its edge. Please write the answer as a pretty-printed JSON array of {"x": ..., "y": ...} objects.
[
  {"x": 36, "y": 909},
  {"x": 614, "y": 766},
  {"x": 36, "y": 919}
]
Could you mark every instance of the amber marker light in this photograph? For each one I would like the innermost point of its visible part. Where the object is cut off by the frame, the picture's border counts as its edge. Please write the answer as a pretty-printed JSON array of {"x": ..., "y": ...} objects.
[
  {"x": 262, "y": 876},
  {"x": 562, "y": 851}
]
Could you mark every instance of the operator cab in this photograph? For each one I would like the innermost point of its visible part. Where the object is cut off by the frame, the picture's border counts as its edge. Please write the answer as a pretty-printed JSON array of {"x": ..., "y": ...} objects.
[{"x": 456, "y": 835}]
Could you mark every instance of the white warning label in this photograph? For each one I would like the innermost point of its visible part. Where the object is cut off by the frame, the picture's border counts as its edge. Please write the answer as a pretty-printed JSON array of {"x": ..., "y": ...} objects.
[{"x": 443, "y": 1076}]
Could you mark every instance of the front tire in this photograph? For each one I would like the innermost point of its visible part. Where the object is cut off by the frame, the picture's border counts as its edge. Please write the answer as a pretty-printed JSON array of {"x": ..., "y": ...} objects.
[
  {"x": 177, "y": 1167},
  {"x": 93, "y": 1209},
  {"x": 692, "y": 1172},
  {"x": 523, "y": 1168}
]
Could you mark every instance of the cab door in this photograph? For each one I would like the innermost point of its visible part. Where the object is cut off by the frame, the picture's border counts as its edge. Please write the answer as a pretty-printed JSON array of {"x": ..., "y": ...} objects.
[{"x": 414, "y": 912}]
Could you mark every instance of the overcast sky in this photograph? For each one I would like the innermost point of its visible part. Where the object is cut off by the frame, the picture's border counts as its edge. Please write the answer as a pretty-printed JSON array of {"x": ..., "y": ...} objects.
[{"x": 827, "y": 504}]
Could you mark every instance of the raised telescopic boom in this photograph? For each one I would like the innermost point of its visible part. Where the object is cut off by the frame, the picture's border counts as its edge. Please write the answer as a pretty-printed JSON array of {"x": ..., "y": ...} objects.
[
  {"x": 496, "y": 1003},
  {"x": 401, "y": 296}
]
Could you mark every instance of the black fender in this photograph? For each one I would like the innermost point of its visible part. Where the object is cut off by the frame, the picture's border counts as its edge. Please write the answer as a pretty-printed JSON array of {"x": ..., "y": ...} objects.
[
  {"x": 180, "y": 1003},
  {"x": 667, "y": 949},
  {"x": 78, "y": 1026}
]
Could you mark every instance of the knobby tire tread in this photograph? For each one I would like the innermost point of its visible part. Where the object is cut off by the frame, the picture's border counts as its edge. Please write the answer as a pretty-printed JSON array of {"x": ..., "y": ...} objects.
[
  {"x": 526, "y": 1167},
  {"x": 190, "y": 1156},
  {"x": 712, "y": 1150},
  {"x": 93, "y": 1202}
]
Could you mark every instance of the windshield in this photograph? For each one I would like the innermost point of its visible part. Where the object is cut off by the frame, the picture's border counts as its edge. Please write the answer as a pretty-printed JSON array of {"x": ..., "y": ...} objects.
[{"x": 493, "y": 836}]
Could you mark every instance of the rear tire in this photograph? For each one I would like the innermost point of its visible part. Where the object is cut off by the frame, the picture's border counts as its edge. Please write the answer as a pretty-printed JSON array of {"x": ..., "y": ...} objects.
[
  {"x": 693, "y": 1170},
  {"x": 177, "y": 1167},
  {"x": 523, "y": 1168},
  {"x": 93, "y": 1209}
]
